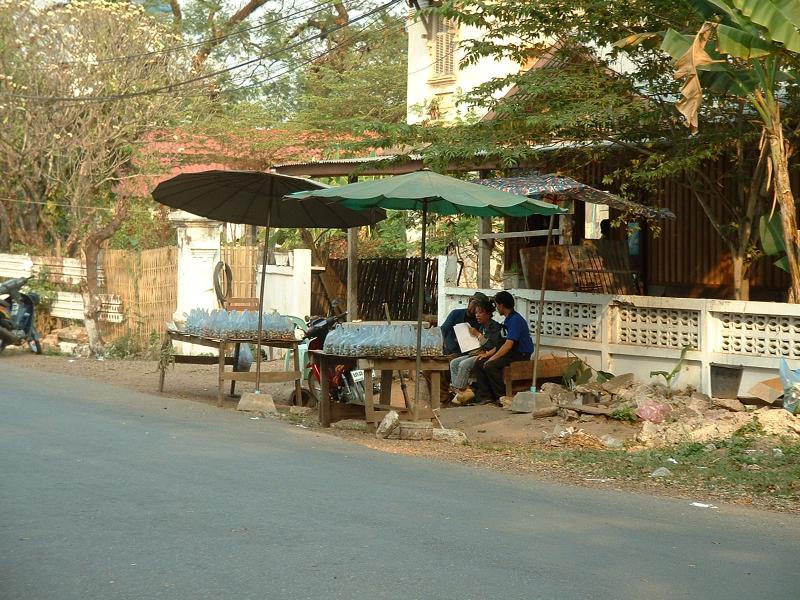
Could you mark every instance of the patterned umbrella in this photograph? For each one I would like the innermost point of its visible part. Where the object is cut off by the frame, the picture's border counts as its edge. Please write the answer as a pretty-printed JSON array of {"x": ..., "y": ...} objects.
[{"x": 537, "y": 185}]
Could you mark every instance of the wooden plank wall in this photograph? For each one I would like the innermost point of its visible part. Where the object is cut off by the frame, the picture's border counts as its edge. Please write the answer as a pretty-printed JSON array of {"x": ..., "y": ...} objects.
[
  {"x": 380, "y": 280},
  {"x": 687, "y": 258}
]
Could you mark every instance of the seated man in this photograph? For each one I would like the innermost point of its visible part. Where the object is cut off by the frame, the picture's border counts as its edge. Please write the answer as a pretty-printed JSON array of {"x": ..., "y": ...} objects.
[
  {"x": 460, "y": 315},
  {"x": 488, "y": 334},
  {"x": 517, "y": 345}
]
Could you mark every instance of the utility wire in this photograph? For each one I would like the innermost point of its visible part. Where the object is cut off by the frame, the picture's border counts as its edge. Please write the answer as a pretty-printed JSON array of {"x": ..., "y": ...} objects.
[
  {"x": 171, "y": 87},
  {"x": 289, "y": 68},
  {"x": 311, "y": 9}
]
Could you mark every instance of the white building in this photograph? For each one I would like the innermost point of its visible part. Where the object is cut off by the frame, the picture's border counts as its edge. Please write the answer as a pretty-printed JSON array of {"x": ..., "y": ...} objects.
[{"x": 435, "y": 80}]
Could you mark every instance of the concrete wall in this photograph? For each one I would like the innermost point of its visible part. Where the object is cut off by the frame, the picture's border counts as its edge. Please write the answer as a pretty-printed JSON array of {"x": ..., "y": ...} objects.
[{"x": 640, "y": 334}]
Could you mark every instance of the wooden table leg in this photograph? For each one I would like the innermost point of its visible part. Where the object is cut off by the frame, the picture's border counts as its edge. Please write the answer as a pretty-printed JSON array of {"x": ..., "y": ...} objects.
[
  {"x": 369, "y": 401},
  {"x": 298, "y": 390},
  {"x": 167, "y": 343},
  {"x": 435, "y": 389},
  {"x": 220, "y": 392},
  {"x": 325, "y": 394},
  {"x": 236, "y": 349}
]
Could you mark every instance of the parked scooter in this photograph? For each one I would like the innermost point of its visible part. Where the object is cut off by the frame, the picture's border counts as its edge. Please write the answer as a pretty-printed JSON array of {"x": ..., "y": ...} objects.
[
  {"x": 17, "y": 315},
  {"x": 344, "y": 384}
]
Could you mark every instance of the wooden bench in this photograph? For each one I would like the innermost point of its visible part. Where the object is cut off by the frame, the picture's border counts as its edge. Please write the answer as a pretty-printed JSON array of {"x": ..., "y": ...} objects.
[{"x": 517, "y": 376}]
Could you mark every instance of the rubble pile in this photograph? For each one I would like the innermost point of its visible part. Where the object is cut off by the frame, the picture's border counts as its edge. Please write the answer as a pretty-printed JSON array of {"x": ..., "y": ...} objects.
[{"x": 665, "y": 419}]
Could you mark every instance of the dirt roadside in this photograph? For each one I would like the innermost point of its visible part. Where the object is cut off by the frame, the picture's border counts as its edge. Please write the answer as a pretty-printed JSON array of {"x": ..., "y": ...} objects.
[{"x": 499, "y": 441}]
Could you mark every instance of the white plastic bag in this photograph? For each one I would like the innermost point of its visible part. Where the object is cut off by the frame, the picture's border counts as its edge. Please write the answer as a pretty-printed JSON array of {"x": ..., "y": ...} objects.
[{"x": 245, "y": 358}]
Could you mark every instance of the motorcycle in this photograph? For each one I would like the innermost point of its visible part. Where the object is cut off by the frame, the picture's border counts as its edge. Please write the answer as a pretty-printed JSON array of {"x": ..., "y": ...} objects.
[
  {"x": 344, "y": 384},
  {"x": 17, "y": 315}
]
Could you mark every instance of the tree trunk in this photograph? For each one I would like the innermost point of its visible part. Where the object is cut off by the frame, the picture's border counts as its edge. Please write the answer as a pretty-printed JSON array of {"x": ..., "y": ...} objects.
[
  {"x": 90, "y": 288},
  {"x": 741, "y": 276},
  {"x": 90, "y": 291},
  {"x": 785, "y": 200}
]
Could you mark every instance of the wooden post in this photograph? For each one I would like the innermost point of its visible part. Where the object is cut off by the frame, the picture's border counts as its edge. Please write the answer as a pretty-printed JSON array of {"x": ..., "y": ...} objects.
[
  {"x": 484, "y": 254},
  {"x": 352, "y": 267},
  {"x": 352, "y": 274}
]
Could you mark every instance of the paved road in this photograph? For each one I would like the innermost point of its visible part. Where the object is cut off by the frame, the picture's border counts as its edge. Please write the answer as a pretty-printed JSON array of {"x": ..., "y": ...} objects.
[{"x": 108, "y": 494}]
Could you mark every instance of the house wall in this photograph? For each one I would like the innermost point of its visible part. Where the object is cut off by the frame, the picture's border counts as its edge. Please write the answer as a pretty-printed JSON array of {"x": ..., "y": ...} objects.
[{"x": 423, "y": 86}]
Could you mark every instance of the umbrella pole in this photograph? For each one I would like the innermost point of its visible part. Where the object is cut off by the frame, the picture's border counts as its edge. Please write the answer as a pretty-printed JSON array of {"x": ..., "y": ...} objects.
[
  {"x": 540, "y": 312},
  {"x": 420, "y": 300},
  {"x": 261, "y": 299}
]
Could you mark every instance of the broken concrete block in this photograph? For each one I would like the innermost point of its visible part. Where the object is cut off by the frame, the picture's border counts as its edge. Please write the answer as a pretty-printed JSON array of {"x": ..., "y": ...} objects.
[
  {"x": 661, "y": 472},
  {"x": 388, "y": 424},
  {"x": 253, "y": 402},
  {"x": 416, "y": 430},
  {"x": 452, "y": 436},
  {"x": 505, "y": 401},
  {"x": 569, "y": 415},
  {"x": 767, "y": 391},
  {"x": 558, "y": 393},
  {"x": 527, "y": 402},
  {"x": 730, "y": 404},
  {"x": 609, "y": 441},
  {"x": 617, "y": 384}
]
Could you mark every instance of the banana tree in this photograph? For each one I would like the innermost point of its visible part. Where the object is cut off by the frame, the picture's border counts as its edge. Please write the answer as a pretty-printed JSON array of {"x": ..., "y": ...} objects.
[{"x": 749, "y": 49}]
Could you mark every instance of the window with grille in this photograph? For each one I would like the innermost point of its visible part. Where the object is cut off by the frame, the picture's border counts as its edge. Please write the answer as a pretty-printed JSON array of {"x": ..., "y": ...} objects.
[{"x": 444, "y": 32}]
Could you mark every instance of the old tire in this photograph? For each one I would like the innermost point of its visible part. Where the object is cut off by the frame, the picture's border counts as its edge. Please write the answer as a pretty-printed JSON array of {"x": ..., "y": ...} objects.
[{"x": 306, "y": 398}]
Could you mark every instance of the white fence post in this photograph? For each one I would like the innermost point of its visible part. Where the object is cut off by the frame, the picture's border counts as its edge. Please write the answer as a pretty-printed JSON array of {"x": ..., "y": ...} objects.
[
  {"x": 447, "y": 272},
  {"x": 198, "y": 253}
]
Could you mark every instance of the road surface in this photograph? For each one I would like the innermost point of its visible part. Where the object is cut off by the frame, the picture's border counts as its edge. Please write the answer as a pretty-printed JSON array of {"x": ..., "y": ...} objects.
[{"x": 109, "y": 494}]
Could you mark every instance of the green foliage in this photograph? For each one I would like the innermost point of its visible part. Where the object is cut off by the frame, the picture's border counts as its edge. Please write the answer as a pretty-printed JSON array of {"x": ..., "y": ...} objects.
[
  {"x": 579, "y": 372},
  {"x": 670, "y": 376},
  {"x": 363, "y": 81},
  {"x": 626, "y": 414}
]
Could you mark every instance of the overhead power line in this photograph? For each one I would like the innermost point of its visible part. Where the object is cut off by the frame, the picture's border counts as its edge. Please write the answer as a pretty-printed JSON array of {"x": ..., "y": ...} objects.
[{"x": 213, "y": 40}]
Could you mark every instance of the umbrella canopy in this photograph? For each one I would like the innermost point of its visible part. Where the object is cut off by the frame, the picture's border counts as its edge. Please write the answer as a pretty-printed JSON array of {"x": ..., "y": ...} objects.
[
  {"x": 435, "y": 193},
  {"x": 258, "y": 198},
  {"x": 536, "y": 185},
  {"x": 244, "y": 196}
]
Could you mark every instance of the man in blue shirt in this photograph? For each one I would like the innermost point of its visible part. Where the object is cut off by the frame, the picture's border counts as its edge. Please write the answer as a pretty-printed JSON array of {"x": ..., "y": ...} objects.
[
  {"x": 518, "y": 345},
  {"x": 460, "y": 315}
]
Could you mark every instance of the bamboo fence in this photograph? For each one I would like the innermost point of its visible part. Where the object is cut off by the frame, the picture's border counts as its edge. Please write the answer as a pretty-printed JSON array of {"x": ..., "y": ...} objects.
[
  {"x": 243, "y": 261},
  {"x": 147, "y": 283}
]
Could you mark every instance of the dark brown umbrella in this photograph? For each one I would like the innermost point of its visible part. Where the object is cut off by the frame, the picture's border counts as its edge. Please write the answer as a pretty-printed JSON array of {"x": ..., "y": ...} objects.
[{"x": 258, "y": 198}]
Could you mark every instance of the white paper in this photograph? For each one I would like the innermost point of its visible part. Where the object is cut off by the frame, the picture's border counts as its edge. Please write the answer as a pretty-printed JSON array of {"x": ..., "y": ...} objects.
[{"x": 466, "y": 341}]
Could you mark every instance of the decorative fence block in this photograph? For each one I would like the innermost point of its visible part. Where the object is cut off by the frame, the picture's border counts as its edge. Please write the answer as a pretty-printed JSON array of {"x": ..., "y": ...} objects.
[
  {"x": 568, "y": 319},
  {"x": 752, "y": 334},
  {"x": 661, "y": 327}
]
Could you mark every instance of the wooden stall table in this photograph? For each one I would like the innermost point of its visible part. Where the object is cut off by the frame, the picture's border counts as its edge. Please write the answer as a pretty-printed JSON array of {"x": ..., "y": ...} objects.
[
  {"x": 431, "y": 372},
  {"x": 221, "y": 345},
  {"x": 371, "y": 412}
]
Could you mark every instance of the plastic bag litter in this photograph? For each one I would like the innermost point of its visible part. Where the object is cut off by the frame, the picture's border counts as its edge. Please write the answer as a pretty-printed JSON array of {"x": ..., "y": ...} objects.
[
  {"x": 790, "y": 379},
  {"x": 245, "y": 358},
  {"x": 652, "y": 411}
]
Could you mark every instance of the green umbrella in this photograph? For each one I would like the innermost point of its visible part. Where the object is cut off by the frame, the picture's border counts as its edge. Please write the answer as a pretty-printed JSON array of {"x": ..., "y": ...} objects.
[{"x": 427, "y": 191}]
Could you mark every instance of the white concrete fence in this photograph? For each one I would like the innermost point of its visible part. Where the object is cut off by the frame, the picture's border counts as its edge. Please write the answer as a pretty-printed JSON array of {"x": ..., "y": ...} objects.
[{"x": 640, "y": 334}]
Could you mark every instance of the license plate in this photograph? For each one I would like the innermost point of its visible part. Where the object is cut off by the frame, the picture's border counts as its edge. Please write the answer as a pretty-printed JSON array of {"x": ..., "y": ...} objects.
[{"x": 357, "y": 375}]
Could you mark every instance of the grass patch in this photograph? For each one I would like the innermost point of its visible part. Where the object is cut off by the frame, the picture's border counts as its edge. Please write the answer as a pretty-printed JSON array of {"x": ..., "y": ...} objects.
[{"x": 746, "y": 465}]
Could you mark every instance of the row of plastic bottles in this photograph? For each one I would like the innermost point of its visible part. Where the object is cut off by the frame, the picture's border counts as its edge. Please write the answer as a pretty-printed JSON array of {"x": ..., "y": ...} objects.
[
  {"x": 237, "y": 324},
  {"x": 383, "y": 341}
]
